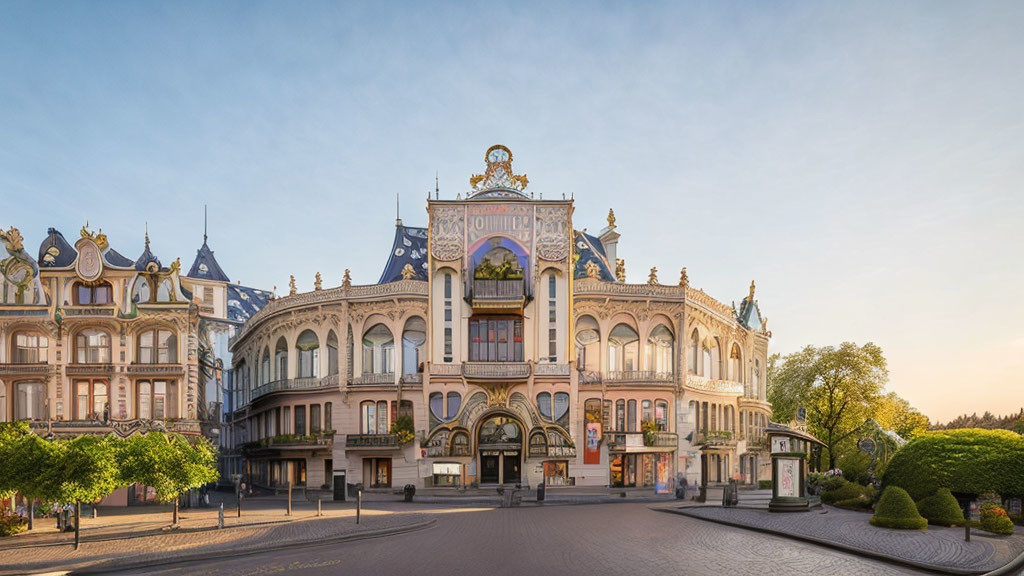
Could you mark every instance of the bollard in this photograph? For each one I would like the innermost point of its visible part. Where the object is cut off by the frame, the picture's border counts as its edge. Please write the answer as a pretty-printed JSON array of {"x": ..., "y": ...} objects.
[
  {"x": 359, "y": 504},
  {"x": 289, "y": 513},
  {"x": 93, "y": 511},
  {"x": 31, "y": 513},
  {"x": 319, "y": 507},
  {"x": 967, "y": 523},
  {"x": 220, "y": 516},
  {"x": 239, "y": 504}
]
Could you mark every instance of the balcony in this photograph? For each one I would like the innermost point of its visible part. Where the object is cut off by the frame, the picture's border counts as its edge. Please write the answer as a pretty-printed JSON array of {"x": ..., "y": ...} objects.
[
  {"x": 39, "y": 369},
  {"x": 550, "y": 369},
  {"x": 642, "y": 442},
  {"x": 89, "y": 369},
  {"x": 412, "y": 379},
  {"x": 156, "y": 369},
  {"x": 498, "y": 294},
  {"x": 626, "y": 376},
  {"x": 714, "y": 438},
  {"x": 296, "y": 385},
  {"x": 702, "y": 384},
  {"x": 374, "y": 379},
  {"x": 496, "y": 370},
  {"x": 445, "y": 369},
  {"x": 372, "y": 442}
]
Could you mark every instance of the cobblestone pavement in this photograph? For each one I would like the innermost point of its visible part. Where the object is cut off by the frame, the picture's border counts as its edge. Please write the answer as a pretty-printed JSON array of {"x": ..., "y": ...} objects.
[
  {"x": 937, "y": 546},
  {"x": 594, "y": 539}
]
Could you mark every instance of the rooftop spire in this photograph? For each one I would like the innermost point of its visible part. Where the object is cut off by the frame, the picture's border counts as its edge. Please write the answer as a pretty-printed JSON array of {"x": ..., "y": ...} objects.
[
  {"x": 147, "y": 235},
  {"x": 204, "y": 223},
  {"x": 398, "y": 210}
]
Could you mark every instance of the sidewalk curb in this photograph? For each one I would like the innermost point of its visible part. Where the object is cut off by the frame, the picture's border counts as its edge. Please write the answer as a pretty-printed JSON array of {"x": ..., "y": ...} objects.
[
  {"x": 845, "y": 548},
  {"x": 1014, "y": 568},
  {"x": 116, "y": 565}
]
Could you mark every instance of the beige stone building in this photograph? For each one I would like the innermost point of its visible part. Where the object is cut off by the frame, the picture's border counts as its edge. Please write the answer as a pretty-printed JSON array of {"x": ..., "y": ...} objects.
[{"x": 502, "y": 346}]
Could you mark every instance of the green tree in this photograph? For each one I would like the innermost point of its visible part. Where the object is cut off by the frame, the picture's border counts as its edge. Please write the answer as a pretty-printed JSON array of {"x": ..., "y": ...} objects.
[
  {"x": 84, "y": 469},
  {"x": 169, "y": 464},
  {"x": 896, "y": 414},
  {"x": 839, "y": 387}
]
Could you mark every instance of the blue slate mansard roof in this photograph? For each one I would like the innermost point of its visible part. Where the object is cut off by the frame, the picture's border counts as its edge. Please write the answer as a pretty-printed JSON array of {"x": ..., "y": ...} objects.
[
  {"x": 55, "y": 252},
  {"x": 243, "y": 302},
  {"x": 409, "y": 247},
  {"x": 590, "y": 249},
  {"x": 206, "y": 267}
]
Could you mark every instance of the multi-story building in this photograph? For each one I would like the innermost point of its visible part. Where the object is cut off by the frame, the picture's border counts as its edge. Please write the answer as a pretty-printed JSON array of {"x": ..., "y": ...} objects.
[{"x": 501, "y": 345}]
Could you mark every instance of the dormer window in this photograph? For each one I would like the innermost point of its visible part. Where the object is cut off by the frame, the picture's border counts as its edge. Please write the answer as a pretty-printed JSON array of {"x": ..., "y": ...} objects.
[{"x": 93, "y": 294}]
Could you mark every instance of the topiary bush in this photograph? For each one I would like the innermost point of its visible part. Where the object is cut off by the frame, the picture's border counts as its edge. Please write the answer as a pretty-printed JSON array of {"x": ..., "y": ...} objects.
[
  {"x": 846, "y": 491},
  {"x": 896, "y": 509},
  {"x": 941, "y": 509},
  {"x": 967, "y": 461},
  {"x": 995, "y": 520}
]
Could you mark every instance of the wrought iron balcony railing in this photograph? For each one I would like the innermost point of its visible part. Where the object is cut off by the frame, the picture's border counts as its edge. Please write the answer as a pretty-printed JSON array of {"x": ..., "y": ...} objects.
[
  {"x": 295, "y": 384},
  {"x": 371, "y": 441},
  {"x": 496, "y": 370},
  {"x": 373, "y": 379},
  {"x": 705, "y": 384}
]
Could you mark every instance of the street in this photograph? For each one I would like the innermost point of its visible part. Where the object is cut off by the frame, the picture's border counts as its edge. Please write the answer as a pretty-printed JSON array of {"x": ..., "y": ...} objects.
[{"x": 595, "y": 539}]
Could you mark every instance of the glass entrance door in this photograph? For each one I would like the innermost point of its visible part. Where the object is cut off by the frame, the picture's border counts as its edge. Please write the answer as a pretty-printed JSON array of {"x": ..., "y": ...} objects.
[
  {"x": 511, "y": 468},
  {"x": 489, "y": 468}
]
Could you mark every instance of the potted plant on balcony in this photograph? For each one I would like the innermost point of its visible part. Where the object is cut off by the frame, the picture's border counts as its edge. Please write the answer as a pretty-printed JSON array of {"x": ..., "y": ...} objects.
[
  {"x": 650, "y": 431},
  {"x": 402, "y": 428}
]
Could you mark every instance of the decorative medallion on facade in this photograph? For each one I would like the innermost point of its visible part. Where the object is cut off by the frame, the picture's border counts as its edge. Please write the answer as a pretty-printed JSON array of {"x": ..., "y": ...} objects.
[
  {"x": 446, "y": 233},
  {"x": 498, "y": 180},
  {"x": 553, "y": 232},
  {"x": 90, "y": 260}
]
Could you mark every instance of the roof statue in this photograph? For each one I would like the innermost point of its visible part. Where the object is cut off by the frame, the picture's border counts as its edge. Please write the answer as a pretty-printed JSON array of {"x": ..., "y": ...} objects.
[
  {"x": 408, "y": 272},
  {"x": 99, "y": 237},
  {"x": 593, "y": 270},
  {"x": 751, "y": 295},
  {"x": 347, "y": 280},
  {"x": 498, "y": 180},
  {"x": 611, "y": 218},
  {"x": 20, "y": 270},
  {"x": 291, "y": 285},
  {"x": 12, "y": 240},
  {"x": 684, "y": 278},
  {"x": 317, "y": 282},
  {"x": 652, "y": 279},
  {"x": 620, "y": 269}
]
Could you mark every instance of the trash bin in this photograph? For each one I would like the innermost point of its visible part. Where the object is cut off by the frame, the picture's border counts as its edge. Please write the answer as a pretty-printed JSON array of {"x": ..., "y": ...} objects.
[
  {"x": 541, "y": 489},
  {"x": 409, "y": 491}
]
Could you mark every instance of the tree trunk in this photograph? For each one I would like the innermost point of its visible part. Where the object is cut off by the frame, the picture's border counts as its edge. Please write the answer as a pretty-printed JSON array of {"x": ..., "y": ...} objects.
[
  {"x": 31, "y": 513},
  {"x": 78, "y": 521},
  {"x": 175, "y": 523}
]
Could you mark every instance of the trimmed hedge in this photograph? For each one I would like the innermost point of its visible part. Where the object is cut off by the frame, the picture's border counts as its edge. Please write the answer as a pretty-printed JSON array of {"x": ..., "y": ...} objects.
[
  {"x": 995, "y": 520},
  {"x": 941, "y": 509},
  {"x": 846, "y": 491},
  {"x": 858, "y": 503},
  {"x": 896, "y": 509},
  {"x": 967, "y": 461}
]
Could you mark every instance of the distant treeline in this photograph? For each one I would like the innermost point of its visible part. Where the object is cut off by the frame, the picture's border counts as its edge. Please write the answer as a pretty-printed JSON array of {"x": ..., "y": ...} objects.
[{"x": 987, "y": 420}]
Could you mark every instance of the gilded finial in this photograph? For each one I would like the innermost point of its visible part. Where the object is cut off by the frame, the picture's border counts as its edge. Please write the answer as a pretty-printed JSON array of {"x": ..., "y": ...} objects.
[
  {"x": 408, "y": 272},
  {"x": 652, "y": 279},
  {"x": 684, "y": 278},
  {"x": 291, "y": 286},
  {"x": 147, "y": 235},
  {"x": 620, "y": 269},
  {"x": 611, "y": 218},
  {"x": 317, "y": 282},
  {"x": 593, "y": 271},
  {"x": 347, "y": 280},
  {"x": 751, "y": 296},
  {"x": 12, "y": 239},
  {"x": 176, "y": 266}
]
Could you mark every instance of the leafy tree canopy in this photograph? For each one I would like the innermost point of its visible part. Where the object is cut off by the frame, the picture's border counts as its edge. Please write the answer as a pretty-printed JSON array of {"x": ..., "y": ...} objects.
[{"x": 168, "y": 463}]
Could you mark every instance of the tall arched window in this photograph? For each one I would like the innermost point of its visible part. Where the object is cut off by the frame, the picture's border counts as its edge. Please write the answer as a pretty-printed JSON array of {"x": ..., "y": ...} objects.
[
  {"x": 623, "y": 348},
  {"x": 552, "y": 318},
  {"x": 661, "y": 415},
  {"x": 92, "y": 347},
  {"x": 631, "y": 416},
  {"x": 308, "y": 350},
  {"x": 735, "y": 363},
  {"x": 281, "y": 359},
  {"x": 588, "y": 344},
  {"x": 454, "y": 403},
  {"x": 659, "y": 350},
  {"x": 706, "y": 364},
  {"x": 157, "y": 346},
  {"x": 620, "y": 415},
  {"x": 413, "y": 338},
  {"x": 646, "y": 411},
  {"x": 544, "y": 405},
  {"x": 265, "y": 367},
  {"x": 436, "y": 404},
  {"x": 373, "y": 417},
  {"x": 561, "y": 409},
  {"x": 694, "y": 360},
  {"x": 716, "y": 359},
  {"x": 332, "y": 353},
  {"x": 378, "y": 350},
  {"x": 448, "y": 317},
  {"x": 143, "y": 290},
  {"x": 29, "y": 348}
]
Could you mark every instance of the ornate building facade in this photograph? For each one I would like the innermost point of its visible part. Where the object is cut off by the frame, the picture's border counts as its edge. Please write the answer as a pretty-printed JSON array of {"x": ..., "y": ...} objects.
[{"x": 501, "y": 345}]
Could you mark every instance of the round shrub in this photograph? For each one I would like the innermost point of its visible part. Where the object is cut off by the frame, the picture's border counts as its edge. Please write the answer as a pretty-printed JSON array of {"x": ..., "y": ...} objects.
[
  {"x": 941, "y": 509},
  {"x": 845, "y": 491},
  {"x": 859, "y": 503},
  {"x": 896, "y": 509},
  {"x": 995, "y": 520},
  {"x": 967, "y": 461},
  {"x": 11, "y": 524}
]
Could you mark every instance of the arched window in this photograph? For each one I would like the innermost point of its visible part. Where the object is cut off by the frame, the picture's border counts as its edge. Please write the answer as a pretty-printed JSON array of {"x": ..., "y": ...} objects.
[
  {"x": 92, "y": 347},
  {"x": 265, "y": 367},
  {"x": 561, "y": 409},
  {"x": 716, "y": 359},
  {"x": 694, "y": 360},
  {"x": 661, "y": 415},
  {"x": 552, "y": 318},
  {"x": 631, "y": 416},
  {"x": 368, "y": 417},
  {"x": 623, "y": 348},
  {"x": 29, "y": 348},
  {"x": 454, "y": 404},
  {"x": 460, "y": 444},
  {"x": 164, "y": 290},
  {"x": 3, "y": 404},
  {"x": 281, "y": 359},
  {"x": 157, "y": 346},
  {"x": 30, "y": 403},
  {"x": 378, "y": 350},
  {"x": 588, "y": 345},
  {"x": 647, "y": 411},
  {"x": 736, "y": 364},
  {"x": 544, "y": 405},
  {"x": 413, "y": 338},
  {"x": 448, "y": 317},
  {"x": 620, "y": 415},
  {"x": 659, "y": 350},
  {"x": 437, "y": 405},
  {"x": 705, "y": 367},
  {"x": 308, "y": 346},
  {"x": 332, "y": 353},
  {"x": 99, "y": 293},
  {"x": 143, "y": 290}
]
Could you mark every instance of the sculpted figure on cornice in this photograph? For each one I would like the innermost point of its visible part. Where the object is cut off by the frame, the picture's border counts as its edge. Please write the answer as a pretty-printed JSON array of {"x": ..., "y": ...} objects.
[
  {"x": 446, "y": 233},
  {"x": 552, "y": 232}
]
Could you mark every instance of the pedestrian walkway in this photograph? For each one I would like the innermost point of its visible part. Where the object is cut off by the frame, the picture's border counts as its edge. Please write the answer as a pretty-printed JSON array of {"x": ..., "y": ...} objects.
[{"x": 937, "y": 548}]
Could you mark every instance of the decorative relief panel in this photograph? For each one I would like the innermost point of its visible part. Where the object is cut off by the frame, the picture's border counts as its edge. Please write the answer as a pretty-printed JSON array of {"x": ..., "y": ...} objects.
[
  {"x": 513, "y": 221},
  {"x": 446, "y": 234},
  {"x": 552, "y": 232}
]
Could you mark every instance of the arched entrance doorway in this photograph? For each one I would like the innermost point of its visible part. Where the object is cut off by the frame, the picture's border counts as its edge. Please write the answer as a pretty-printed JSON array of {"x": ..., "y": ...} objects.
[{"x": 500, "y": 448}]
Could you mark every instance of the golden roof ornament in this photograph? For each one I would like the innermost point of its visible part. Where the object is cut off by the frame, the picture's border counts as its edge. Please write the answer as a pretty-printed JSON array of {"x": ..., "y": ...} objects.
[
  {"x": 684, "y": 278},
  {"x": 751, "y": 296},
  {"x": 652, "y": 279},
  {"x": 611, "y": 219},
  {"x": 347, "y": 280},
  {"x": 99, "y": 237},
  {"x": 593, "y": 271},
  {"x": 408, "y": 272},
  {"x": 175, "y": 266},
  {"x": 318, "y": 282},
  {"x": 12, "y": 239},
  {"x": 499, "y": 177},
  {"x": 620, "y": 269},
  {"x": 291, "y": 285}
]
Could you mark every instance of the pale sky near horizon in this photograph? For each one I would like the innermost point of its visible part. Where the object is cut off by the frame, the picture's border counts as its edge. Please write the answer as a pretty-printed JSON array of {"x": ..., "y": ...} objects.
[{"x": 862, "y": 161}]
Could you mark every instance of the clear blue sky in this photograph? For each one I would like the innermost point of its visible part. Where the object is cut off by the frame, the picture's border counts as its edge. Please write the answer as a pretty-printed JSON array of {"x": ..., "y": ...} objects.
[{"x": 862, "y": 161}]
